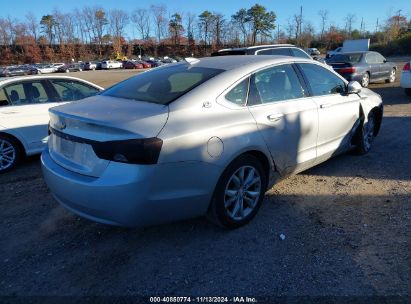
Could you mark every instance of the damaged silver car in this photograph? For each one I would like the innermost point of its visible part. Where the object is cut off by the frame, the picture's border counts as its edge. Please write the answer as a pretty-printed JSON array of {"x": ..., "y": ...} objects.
[{"x": 202, "y": 137}]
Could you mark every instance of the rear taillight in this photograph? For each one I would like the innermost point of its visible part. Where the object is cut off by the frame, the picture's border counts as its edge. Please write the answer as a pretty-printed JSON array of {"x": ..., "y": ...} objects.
[
  {"x": 406, "y": 67},
  {"x": 144, "y": 151},
  {"x": 347, "y": 70},
  {"x": 135, "y": 151}
]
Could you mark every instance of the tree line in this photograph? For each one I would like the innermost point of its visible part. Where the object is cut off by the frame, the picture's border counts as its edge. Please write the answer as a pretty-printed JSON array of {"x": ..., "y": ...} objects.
[{"x": 94, "y": 32}]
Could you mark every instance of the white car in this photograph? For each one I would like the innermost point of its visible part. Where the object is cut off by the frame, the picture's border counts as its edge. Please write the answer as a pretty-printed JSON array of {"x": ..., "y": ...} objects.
[
  {"x": 58, "y": 65},
  {"x": 46, "y": 69},
  {"x": 111, "y": 64},
  {"x": 24, "y": 105},
  {"x": 405, "y": 81}
]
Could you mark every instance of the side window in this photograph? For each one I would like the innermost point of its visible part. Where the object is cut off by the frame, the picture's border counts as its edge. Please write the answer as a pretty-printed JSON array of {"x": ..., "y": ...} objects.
[
  {"x": 322, "y": 81},
  {"x": 238, "y": 94},
  {"x": 72, "y": 90},
  {"x": 378, "y": 58},
  {"x": 27, "y": 93},
  {"x": 275, "y": 84},
  {"x": 16, "y": 94},
  {"x": 3, "y": 98},
  {"x": 373, "y": 58},
  {"x": 298, "y": 53}
]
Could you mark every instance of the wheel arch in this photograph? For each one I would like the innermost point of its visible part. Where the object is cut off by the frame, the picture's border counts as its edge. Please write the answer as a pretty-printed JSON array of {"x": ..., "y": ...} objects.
[{"x": 17, "y": 140}]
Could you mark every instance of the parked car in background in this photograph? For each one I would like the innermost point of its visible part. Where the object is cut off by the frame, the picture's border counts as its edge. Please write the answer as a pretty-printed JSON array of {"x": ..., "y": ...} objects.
[
  {"x": 312, "y": 52},
  {"x": 43, "y": 69},
  {"x": 273, "y": 49},
  {"x": 132, "y": 65},
  {"x": 90, "y": 65},
  {"x": 111, "y": 64},
  {"x": 334, "y": 52},
  {"x": 271, "y": 116},
  {"x": 154, "y": 63},
  {"x": 58, "y": 64},
  {"x": 71, "y": 67},
  {"x": 405, "y": 81},
  {"x": 364, "y": 67},
  {"x": 24, "y": 104},
  {"x": 145, "y": 64},
  {"x": 14, "y": 71}
]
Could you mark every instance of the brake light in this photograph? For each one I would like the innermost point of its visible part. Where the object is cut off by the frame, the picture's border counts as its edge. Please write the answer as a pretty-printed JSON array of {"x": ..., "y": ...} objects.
[
  {"x": 349, "y": 70},
  {"x": 144, "y": 151},
  {"x": 406, "y": 67},
  {"x": 135, "y": 151}
]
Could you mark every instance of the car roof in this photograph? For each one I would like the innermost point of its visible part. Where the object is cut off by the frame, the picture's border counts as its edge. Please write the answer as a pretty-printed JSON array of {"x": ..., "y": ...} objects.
[
  {"x": 257, "y": 47},
  {"x": 6, "y": 80},
  {"x": 232, "y": 62}
]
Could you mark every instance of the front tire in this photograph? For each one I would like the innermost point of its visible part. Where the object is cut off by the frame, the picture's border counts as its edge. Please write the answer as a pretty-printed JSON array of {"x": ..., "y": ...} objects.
[
  {"x": 366, "y": 134},
  {"x": 239, "y": 193},
  {"x": 10, "y": 154},
  {"x": 365, "y": 80},
  {"x": 391, "y": 79},
  {"x": 407, "y": 92}
]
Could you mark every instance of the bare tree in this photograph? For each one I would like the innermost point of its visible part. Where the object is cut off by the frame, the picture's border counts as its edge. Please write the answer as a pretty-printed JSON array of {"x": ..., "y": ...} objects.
[
  {"x": 160, "y": 20},
  {"x": 190, "y": 19},
  {"x": 118, "y": 22},
  {"x": 32, "y": 25},
  {"x": 324, "y": 17},
  {"x": 219, "y": 24},
  {"x": 349, "y": 20},
  {"x": 141, "y": 18}
]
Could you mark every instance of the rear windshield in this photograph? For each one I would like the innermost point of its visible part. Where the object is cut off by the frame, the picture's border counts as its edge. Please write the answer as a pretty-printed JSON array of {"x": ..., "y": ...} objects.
[
  {"x": 162, "y": 85},
  {"x": 351, "y": 58}
]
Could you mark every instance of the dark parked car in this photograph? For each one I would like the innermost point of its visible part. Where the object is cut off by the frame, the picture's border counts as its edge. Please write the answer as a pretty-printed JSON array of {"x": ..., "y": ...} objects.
[
  {"x": 132, "y": 65},
  {"x": 14, "y": 71},
  {"x": 273, "y": 49},
  {"x": 155, "y": 63},
  {"x": 364, "y": 67},
  {"x": 71, "y": 67}
]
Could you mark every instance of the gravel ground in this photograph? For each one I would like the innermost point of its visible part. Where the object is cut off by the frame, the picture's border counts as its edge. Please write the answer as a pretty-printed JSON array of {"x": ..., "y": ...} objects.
[{"x": 346, "y": 223}]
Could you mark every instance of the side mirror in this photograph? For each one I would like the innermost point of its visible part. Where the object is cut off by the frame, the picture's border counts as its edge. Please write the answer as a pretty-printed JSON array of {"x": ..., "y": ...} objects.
[{"x": 353, "y": 87}]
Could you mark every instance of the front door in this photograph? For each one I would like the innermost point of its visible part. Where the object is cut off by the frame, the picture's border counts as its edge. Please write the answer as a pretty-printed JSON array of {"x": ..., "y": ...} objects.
[{"x": 286, "y": 117}]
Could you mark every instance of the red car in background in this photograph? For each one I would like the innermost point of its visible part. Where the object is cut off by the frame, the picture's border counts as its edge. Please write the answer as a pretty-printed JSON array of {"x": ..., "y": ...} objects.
[
  {"x": 146, "y": 65},
  {"x": 132, "y": 65}
]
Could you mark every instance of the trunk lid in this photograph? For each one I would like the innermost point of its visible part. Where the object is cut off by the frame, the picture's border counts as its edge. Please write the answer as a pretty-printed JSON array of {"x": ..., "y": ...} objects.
[{"x": 99, "y": 119}]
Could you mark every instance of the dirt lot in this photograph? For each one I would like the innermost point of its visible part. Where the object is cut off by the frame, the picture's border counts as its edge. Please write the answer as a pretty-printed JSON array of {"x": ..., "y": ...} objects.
[{"x": 347, "y": 224}]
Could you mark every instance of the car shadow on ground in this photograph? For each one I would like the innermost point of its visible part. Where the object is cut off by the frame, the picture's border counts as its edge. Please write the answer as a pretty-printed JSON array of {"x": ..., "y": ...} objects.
[{"x": 331, "y": 247}]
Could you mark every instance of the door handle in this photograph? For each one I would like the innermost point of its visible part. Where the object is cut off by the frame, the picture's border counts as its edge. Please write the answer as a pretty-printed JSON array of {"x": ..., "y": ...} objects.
[
  {"x": 275, "y": 117},
  {"x": 326, "y": 105}
]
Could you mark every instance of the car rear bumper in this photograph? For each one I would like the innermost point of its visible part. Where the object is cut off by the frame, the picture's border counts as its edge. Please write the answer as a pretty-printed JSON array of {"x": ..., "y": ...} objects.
[{"x": 134, "y": 195}]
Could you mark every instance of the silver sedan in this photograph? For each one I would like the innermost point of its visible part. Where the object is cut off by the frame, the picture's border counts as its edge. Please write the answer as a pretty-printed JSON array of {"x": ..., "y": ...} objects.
[{"x": 204, "y": 136}]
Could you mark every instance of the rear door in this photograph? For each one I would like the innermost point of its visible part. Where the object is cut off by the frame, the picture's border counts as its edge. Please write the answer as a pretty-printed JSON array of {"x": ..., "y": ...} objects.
[
  {"x": 338, "y": 111},
  {"x": 373, "y": 65},
  {"x": 286, "y": 117}
]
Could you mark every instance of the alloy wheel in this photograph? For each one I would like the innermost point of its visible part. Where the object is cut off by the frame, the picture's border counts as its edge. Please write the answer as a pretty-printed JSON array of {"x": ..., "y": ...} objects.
[
  {"x": 365, "y": 80},
  {"x": 7, "y": 154},
  {"x": 368, "y": 132},
  {"x": 242, "y": 192}
]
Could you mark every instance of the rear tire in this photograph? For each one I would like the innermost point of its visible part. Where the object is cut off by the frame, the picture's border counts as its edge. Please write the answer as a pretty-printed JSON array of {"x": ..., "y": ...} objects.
[
  {"x": 407, "y": 92},
  {"x": 10, "y": 153},
  {"x": 365, "y": 80},
  {"x": 239, "y": 193},
  {"x": 366, "y": 134}
]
